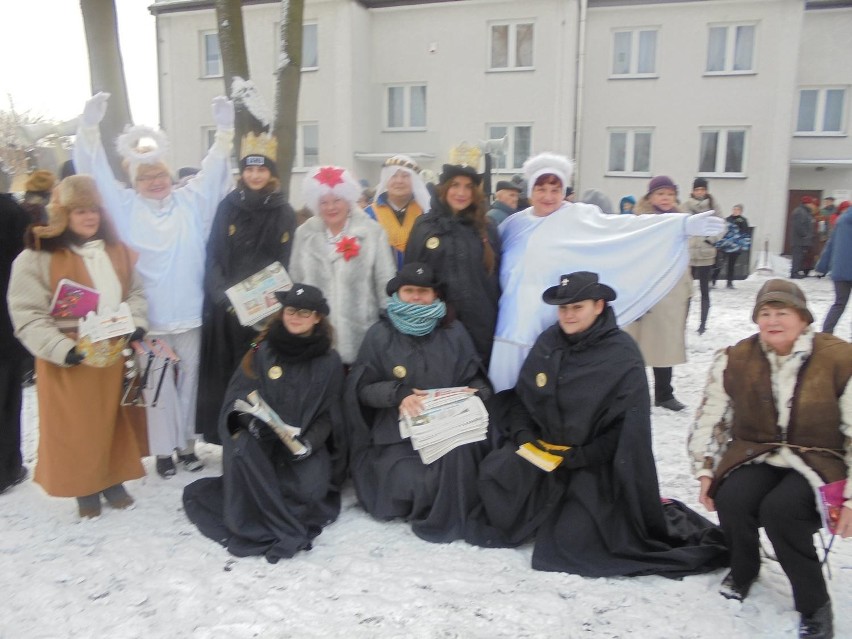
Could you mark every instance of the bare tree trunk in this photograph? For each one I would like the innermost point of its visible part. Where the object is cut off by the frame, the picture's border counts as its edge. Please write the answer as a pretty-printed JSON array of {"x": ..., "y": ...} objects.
[
  {"x": 107, "y": 71},
  {"x": 289, "y": 78},
  {"x": 232, "y": 44}
]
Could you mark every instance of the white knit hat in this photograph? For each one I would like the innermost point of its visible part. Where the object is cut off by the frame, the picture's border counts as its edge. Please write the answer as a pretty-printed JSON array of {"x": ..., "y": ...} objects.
[
  {"x": 548, "y": 164},
  {"x": 324, "y": 180}
]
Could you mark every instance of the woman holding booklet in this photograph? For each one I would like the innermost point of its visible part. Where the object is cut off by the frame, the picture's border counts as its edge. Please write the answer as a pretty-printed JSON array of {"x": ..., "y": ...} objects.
[
  {"x": 88, "y": 442},
  {"x": 278, "y": 426},
  {"x": 576, "y": 472},
  {"x": 415, "y": 346},
  {"x": 775, "y": 427},
  {"x": 253, "y": 227}
]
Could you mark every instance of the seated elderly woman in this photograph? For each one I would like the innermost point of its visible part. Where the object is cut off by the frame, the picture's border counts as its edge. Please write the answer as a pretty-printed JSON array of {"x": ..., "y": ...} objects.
[
  {"x": 415, "y": 346},
  {"x": 775, "y": 424},
  {"x": 277, "y": 492},
  {"x": 576, "y": 471}
]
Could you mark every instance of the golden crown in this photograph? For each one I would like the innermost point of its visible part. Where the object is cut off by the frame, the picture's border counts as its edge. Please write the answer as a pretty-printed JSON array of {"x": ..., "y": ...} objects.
[{"x": 262, "y": 144}]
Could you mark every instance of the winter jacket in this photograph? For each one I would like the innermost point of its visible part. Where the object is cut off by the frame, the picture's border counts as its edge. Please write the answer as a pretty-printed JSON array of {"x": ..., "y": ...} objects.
[
  {"x": 801, "y": 227},
  {"x": 761, "y": 407},
  {"x": 702, "y": 250},
  {"x": 837, "y": 255},
  {"x": 499, "y": 212},
  {"x": 354, "y": 288},
  {"x": 14, "y": 221}
]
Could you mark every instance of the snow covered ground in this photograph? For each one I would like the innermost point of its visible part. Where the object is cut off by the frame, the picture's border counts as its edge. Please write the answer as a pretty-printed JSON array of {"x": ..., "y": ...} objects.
[{"x": 148, "y": 572}]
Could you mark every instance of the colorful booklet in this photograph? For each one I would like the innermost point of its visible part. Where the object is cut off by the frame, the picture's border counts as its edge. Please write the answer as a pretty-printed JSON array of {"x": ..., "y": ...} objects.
[
  {"x": 73, "y": 300},
  {"x": 831, "y": 503}
]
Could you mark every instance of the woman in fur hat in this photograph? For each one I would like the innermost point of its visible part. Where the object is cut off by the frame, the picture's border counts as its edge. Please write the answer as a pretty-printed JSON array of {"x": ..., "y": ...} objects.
[
  {"x": 775, "y": 425},
  {"x": 87, "y": 441},
  {"x": 275, "y": 497},
  {"x": 253, "y": 227},
  {"x": 343, "y": 252},
  {"x": 461, "y": 244},
  {"x": 415, "y": 346}
]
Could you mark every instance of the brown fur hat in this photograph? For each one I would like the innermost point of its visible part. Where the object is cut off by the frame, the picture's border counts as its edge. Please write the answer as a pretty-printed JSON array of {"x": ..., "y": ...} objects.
[
  {"x": 74, "y": 192},
  {"x": 40, "y": 182}
]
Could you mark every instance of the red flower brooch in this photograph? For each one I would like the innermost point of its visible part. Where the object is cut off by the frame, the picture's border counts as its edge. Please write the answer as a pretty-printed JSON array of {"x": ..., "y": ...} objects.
[{"x": 349, "y": 247}]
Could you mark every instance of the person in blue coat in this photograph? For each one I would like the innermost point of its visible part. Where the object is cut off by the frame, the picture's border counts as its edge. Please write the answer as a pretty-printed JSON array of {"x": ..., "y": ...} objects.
[{"x": 836, "y": 260}]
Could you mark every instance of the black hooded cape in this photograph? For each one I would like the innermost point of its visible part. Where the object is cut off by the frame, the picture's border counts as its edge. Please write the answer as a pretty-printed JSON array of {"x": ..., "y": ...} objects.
[
  {"x": 599, "y": 514},
  {"x": 390, "y": 478},
  {"x": 267, "y": 503},
  {"x": 251, "y": 230}
]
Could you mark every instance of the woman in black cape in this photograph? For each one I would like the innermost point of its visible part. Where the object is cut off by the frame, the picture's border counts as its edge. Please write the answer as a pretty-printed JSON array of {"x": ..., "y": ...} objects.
[
  {"x": 271, "y": 501},
  {"x": 598, "y": 513}
]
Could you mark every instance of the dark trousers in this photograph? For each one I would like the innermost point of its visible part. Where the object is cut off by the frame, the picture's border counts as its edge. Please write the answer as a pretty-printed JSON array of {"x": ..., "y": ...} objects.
[
  {"x": 730, "y": 260},
  {"x": 782, "y": 502},
  {"x": 798, "y": 260},
  {"x": 663, "y": 384},
  {"x": 703, "y": 274},
  {"x": 841, "y": 297},
  {"x": 10, "y": 419}
]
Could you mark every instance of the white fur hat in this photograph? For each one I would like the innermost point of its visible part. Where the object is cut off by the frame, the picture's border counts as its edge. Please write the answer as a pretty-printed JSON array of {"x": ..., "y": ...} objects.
[
  {"x": 548, "y": 163},
  {"x": 418, "y": 186},
  {"x": 329, "y": 179}
]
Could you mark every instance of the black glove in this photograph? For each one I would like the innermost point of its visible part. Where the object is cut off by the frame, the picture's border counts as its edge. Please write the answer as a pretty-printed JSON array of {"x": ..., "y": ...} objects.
[
  {"x": 137, "y": 335},
  {"x": 74, "y": 357}
]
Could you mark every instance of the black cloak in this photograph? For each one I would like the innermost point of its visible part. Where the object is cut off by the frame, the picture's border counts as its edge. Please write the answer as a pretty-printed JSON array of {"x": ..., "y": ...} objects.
[
  {"x": 251, "y": 230},
  {"x": 390, "y": 478},
  {"x": 266, "y": 502},
  {"x": 452, "y": 246},
  {"x": 599, "y": 514}
]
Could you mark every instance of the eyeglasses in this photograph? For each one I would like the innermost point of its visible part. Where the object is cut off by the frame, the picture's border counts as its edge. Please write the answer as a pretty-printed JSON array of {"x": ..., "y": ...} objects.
[
  {"x": 153, "y": 178},
  {"x": 301, "y": 312}
]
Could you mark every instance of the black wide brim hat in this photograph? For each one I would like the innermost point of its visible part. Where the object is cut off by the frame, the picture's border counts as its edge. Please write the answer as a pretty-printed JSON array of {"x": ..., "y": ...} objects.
[
  {"x": 414, "y": 274},
  {"x": 304, "y": 296},
  {"x": 449, "y": 171},
  {"x": 576, "y": 287}
]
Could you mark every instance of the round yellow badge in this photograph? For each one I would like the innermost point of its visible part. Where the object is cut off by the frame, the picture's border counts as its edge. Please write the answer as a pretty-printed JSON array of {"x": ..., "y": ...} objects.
[
  {"x": 399, "y": 372},
  {"x": 286, "y": 237},
  {"x": 540, "y": 380},
  {"x": 432, "y": 243},
  {"x": 232, "y": 229},
  {"x": 275, "y": 372}
]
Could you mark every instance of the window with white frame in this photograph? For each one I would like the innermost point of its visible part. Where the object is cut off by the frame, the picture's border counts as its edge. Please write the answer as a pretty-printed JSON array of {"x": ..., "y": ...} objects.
[
  {"x": 310, "y": 45},
  {"x": 518, "y": 145},
  {"x": 730, "y": 48},
  {"x": 722, "y": 151},
  {"x": 211, "y": 55},
  {"x": 821, "y": 110},
  {"x": 406, "y": 106},
  {"x": 307, "y": 145},
  {"x": 634, "y": 52},
  {"x": 511, "y": 45},
  {"x": 629, "y": 151}
]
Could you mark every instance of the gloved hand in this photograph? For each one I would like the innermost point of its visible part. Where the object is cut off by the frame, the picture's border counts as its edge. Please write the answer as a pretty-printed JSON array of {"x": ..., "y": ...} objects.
[
  {"x": 138, "y": 334},
  {"x": 223, "y": 112},
  {"x": 707, "y": 223},
  {"x": 94, "y": 110},
  {"x": 74, "y": 357}
]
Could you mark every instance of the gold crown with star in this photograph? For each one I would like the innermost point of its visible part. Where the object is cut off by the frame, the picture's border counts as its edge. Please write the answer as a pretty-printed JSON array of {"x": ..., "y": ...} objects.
[{"x": 259, "y": 144}]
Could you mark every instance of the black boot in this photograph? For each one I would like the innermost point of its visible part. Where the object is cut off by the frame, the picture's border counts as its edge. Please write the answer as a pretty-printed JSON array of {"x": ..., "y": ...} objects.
[
  {"x": 705, "y": 311},
  {"x": 819, "y": 625}
]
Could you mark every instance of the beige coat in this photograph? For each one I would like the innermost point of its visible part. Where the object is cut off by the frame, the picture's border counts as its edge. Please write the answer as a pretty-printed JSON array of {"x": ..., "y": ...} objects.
[
  {"x": 702, "y": 250},
  {"x": 87, "y": 441},
  {"x": 661, "y": 332}
]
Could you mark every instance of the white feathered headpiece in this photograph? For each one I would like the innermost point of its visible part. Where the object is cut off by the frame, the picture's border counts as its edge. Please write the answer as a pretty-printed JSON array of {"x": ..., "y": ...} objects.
[
  {"x": 135, "y": 154},
  {"x": 329, "y": 179},
  {"x": 548, "y": 163},
  {"x": 418, "y": 186}
]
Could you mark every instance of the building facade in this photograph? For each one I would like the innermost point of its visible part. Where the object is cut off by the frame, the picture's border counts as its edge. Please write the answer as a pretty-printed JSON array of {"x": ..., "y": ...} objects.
[{"x": 751, "y": 94}]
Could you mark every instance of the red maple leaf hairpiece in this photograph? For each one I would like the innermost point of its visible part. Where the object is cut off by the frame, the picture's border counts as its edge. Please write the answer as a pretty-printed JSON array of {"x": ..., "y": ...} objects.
[
  {"x": 349, "y": 247},
  {"x": 331, "y": 176}
]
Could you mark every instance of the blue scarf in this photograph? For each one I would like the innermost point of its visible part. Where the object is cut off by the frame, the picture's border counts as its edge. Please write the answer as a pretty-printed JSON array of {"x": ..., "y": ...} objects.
[{"x": 415, "y": 319}]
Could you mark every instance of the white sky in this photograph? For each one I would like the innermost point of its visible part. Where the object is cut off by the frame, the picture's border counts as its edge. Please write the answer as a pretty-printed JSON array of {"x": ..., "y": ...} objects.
[{"x": 44, "y": 63}]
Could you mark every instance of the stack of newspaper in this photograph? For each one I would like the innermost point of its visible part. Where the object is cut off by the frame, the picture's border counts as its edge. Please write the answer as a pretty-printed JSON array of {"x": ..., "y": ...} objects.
[{"x": 451, "y": 417}]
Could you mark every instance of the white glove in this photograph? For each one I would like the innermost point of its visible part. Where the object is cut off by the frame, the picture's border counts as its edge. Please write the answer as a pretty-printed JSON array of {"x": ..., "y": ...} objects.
[
  {"x": 95, "y": 109},
  {"x": 707, "y": 223},
  {"x": 223, "y": 112}
]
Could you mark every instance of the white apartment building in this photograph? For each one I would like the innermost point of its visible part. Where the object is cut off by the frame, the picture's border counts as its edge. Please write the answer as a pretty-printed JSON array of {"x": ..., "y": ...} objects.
[{"x": 754, "y": 95}]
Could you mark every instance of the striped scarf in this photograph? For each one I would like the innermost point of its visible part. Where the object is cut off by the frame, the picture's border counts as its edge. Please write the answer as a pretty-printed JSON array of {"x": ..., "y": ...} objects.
[{"x": 415, "y": 319}]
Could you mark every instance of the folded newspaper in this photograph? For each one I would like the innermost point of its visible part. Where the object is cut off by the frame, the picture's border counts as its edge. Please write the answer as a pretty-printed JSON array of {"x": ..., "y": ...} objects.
[
  {"x": 254, "y": 298},
  {"x": 451, "y": 417}
]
